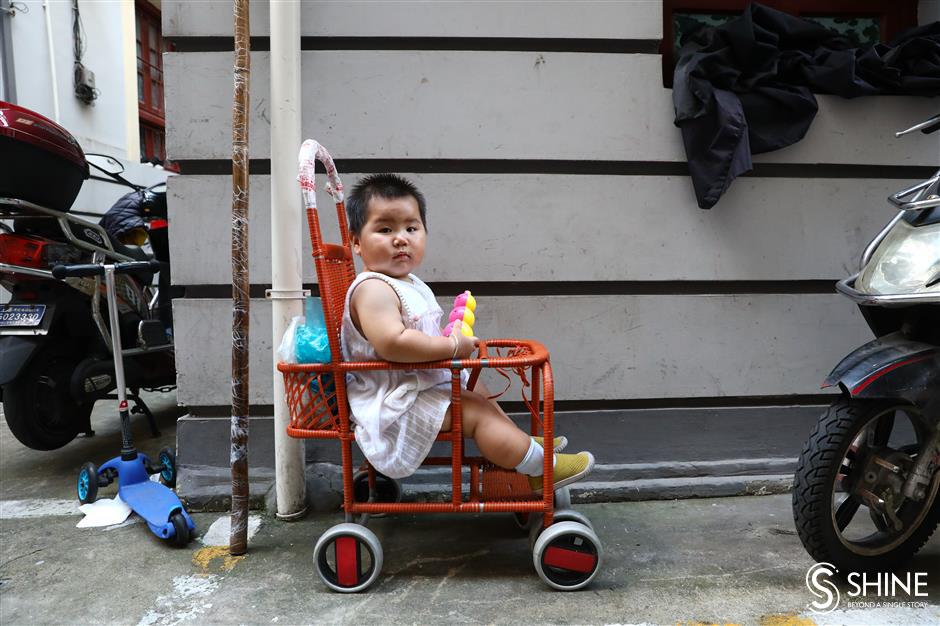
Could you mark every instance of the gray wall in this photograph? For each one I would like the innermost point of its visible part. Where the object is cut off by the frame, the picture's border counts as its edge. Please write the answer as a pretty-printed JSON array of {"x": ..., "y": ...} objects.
[{"x": 639, "y": 295}]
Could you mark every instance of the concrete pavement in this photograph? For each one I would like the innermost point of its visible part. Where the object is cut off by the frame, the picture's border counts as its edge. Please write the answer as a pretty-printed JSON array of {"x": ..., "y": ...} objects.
[{"x": 713, "y": 561}]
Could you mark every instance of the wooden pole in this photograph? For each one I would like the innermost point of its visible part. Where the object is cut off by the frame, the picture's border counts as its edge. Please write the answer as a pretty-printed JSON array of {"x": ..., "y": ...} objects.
[{"x": 238, "y": 538}]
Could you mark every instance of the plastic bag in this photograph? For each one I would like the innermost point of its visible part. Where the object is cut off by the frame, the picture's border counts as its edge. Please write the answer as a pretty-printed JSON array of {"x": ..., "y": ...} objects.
[
  {"x": 306, "y": 341},
  {"x": 312, "y": 344},
  {"x": 285, "y": 351}
]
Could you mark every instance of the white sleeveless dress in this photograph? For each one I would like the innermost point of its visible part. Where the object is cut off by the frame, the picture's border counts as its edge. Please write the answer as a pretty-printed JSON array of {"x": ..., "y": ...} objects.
[{"x": 398, "y": 413}]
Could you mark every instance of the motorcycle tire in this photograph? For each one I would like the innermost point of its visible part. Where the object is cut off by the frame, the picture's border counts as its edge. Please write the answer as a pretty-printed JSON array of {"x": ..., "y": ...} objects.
[
  {"x": 825, "y": 457},
  {"x": 38, "y": 406}
]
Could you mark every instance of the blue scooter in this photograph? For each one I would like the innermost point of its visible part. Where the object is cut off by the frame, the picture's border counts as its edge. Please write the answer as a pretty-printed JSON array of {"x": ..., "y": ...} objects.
[{"x": 155, "y": 502}]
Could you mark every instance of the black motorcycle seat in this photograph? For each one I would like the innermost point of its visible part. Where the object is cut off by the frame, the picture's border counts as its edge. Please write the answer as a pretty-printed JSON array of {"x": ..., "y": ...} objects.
[
  {"x": 135, "y": 252},
  {"x": 138, "y": 254}
]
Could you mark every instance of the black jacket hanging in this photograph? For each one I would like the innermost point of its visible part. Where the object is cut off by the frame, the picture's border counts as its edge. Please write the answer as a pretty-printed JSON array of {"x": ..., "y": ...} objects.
[{"x": 747, "y": 87}]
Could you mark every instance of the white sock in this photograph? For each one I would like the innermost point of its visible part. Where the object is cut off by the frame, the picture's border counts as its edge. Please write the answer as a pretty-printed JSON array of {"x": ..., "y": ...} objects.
[{"x": 532, "y": 463}]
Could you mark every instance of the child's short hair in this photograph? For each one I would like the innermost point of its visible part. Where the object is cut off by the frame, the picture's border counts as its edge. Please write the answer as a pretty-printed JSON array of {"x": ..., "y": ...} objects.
[{"x": 388, "y": 186}]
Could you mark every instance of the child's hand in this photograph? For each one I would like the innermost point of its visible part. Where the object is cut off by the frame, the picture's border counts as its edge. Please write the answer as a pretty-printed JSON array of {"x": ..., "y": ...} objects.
[{"x": 466, "y": 346}]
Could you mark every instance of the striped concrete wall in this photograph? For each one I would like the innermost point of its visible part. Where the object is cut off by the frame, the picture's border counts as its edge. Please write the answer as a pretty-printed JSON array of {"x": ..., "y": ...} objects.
[
  {"x": 499, "y": 105},
  {"x": 560, "y": 227},
  {"x": 542, "y": 136}
]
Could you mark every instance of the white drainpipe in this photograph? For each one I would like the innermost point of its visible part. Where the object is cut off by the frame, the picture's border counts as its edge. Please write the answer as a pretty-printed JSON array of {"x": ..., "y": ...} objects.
[
  {"x": 286, "y": 231},
  {"x": 47, "y": 6}
]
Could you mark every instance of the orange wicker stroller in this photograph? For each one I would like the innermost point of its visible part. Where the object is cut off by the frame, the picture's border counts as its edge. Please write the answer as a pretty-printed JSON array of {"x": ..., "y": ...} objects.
[{"x": 348, "y": 557}]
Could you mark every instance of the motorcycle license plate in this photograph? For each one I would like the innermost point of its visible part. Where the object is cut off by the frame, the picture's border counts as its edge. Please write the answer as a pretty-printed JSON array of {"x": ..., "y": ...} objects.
[{"x": 28, "y": 315}]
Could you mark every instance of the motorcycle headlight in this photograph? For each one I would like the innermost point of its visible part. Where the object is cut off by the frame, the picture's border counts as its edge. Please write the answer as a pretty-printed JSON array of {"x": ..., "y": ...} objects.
[{"x": 904, "y": 262}]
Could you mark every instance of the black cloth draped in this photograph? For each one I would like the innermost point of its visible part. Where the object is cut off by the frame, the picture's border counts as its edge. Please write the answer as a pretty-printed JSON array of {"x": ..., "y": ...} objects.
[{"x": 747, "y": 87}]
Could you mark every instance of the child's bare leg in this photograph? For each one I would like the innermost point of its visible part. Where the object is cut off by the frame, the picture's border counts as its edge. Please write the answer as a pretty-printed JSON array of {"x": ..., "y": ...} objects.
[
  {"x": 498, "y": 438},
  {"x": 502, "y": 443},
  {"x": 482, "y": 389}
]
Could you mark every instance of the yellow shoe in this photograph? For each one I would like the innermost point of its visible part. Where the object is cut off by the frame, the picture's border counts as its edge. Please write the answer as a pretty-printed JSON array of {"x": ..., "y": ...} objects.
[
  {"x": 559, "y": 442},
  {"x": 569, "y": 468}
]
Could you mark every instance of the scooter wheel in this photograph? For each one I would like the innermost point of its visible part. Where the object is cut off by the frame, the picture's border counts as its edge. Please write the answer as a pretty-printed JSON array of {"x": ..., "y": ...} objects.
[
  {"x": 180, "y": 536},
  {"x": 106, "y": 477},
  {"x": 87, "y": 486},
  {"x": 167, "y": 467}
]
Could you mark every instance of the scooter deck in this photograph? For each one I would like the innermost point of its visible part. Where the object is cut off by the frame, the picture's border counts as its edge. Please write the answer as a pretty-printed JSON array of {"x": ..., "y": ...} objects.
[{"x": 151, "y": 500}]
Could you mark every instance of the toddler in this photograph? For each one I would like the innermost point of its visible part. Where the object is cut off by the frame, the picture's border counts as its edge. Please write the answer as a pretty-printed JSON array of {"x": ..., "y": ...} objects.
[{"x": 392, "y": 315}]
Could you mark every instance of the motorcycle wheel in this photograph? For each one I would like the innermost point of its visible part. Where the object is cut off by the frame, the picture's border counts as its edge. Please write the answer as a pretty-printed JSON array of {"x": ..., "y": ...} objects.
[
  {"x": 38, "y": 406},
  {"x": 847, "y": 501}
]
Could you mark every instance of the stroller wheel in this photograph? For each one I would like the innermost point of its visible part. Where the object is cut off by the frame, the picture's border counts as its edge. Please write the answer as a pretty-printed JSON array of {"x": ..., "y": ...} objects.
[
  {"x": 535, "y": 523},
  {"x": 523, "y": 520},
  {"x": 348, "y": 558},
  {"x": 87, "y": 486},
  {"x": 535, "y": 528},
  {"x": 529, "y": 521},
  {"x": 567, "y": 555},
  {"x": 570, "y": 515},
  {"x": 386, "y": 489}
]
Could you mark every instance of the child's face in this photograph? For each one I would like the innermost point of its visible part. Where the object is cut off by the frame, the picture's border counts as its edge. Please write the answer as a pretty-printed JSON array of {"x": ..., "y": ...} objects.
[{"x": 393, "y": 237}]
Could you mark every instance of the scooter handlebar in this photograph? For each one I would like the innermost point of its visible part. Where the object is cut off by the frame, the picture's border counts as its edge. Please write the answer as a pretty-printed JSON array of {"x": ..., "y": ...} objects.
[{"x": 94, "y": 269}]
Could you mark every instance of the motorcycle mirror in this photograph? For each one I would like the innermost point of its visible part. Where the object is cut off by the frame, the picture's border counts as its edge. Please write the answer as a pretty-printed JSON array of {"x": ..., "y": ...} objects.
[{"x": 105, "y": 163}]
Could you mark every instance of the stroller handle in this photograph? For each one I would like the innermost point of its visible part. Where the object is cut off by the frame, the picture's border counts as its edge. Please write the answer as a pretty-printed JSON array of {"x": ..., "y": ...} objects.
[{"x": 310, "y": 152}]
